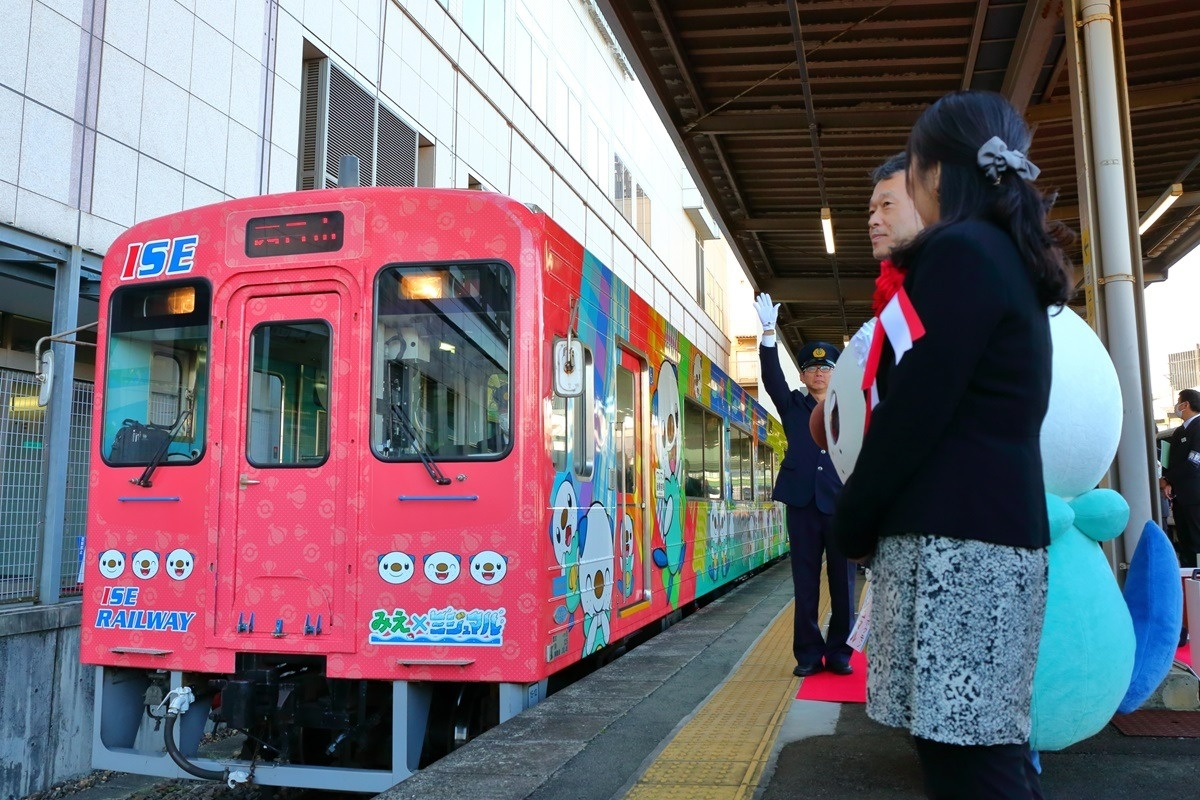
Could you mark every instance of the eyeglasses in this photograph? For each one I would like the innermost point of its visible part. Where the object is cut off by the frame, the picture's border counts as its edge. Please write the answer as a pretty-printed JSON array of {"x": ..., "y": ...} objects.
[{"x": 818, "y": 368}]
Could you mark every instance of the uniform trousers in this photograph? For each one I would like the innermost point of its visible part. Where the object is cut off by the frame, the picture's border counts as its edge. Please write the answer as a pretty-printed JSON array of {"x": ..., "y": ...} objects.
[
  {"x": 1187, "y": 529},
  {"x": 810, "y": 536}
]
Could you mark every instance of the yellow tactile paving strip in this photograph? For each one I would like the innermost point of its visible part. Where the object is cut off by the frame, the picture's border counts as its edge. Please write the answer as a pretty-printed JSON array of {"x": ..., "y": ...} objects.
[{"x": 720, "y": 753}]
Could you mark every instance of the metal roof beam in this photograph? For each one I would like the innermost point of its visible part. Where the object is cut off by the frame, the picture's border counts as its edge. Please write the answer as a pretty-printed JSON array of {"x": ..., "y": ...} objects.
[
  {"x": 819, "y": 290},
  {"x": 1029, "y": 51},
  {"x": 786, "y": 121},
  {"x": 1139, "y": 100}
]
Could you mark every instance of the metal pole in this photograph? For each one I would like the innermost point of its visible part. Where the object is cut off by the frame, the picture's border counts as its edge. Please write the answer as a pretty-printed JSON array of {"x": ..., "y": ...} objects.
[
  {"x": 1117, "y": 278},
  {"x": 57, "y": 442}
]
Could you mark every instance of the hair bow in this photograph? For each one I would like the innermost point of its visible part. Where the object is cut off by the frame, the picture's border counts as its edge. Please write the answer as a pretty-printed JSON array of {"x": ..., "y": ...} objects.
[{"x": 995, "y": 157}]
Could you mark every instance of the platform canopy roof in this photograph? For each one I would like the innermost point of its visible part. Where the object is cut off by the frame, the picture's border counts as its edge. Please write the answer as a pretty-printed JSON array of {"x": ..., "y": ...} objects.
[{"x": 784, "y": 107}]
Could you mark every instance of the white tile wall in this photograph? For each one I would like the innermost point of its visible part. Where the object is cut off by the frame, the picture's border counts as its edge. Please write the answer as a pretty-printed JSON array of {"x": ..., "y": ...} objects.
[
  {"x": 114, "y": 182},
  {"x": 120, "y": 108},
  {"x": 11, "y": 111},
  {"x": 197, "y": 194},
  {"x": 318, "y": 18},
  {"x": 245, "y": 92},
  {"x": 159, "y": 189},
  {"x": 220, "y": 15},
  {"x": 212, "y": 55},
  {"x": 96, "y": 234},
  {"x": 241, "y": 164},
  {"x": 285, "y": 122},
  {"x": 289, "y": 49},
  {"x": 249, "y": 22},
  {"x": 283, "y": 171},
  {"x": 8, "y": 203},
  {"x": 125, "y": 29},
  {"x": 164, "y": 118},
  {"x": 39, "y": 214},
  {"x": 207, "y": 135},
  {"x": 14, "y": 55},
  {"x": 343, "y": 32},
  {"x": 169, "y": 41},
  {"x": 71, "y": 10},
  {"x": 47, "y": 142},
  {"x": 51, "y": 79}
]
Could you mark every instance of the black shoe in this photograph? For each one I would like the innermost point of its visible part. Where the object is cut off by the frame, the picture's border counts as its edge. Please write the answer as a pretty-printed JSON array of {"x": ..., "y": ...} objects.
[
  {"x": 839, "y": 667},
  {"x": 1183, "y": 637},
  {"x": 804, "y": 670}
]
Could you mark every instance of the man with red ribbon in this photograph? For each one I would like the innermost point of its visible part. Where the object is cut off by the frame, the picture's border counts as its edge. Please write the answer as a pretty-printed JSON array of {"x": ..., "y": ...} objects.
[{"x": 893, "y": 221}]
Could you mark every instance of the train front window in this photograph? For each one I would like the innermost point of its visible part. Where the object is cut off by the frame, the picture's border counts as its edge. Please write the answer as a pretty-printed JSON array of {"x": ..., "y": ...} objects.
[
  {"x": 156, "y": 374},
  {"x": 443, "y": 362}
]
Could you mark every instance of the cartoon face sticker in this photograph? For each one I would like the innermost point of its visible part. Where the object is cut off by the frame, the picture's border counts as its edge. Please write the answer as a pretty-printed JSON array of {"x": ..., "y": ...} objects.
[
  {"x": 112, "y": 563},
  {"x": 564, "y": 518},
  {"x": 488, "y": 567},
  {"x": 396, "y": 567},
  {"x": 144, "y": 564},
  {"x": 667, "y": 438},
  {"x": 179, "y": 564},
  {"x": 442, "y": 567}
]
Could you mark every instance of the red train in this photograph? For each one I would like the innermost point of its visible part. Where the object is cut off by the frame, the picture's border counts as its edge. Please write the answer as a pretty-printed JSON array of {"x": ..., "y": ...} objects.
[{"x": 372, "y": 465}]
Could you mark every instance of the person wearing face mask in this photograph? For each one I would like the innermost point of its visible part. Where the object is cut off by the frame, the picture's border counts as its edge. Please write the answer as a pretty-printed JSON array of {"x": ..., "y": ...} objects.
[
  {"x": 808, "y": 484},
  {"x": 947, "y": 498}
]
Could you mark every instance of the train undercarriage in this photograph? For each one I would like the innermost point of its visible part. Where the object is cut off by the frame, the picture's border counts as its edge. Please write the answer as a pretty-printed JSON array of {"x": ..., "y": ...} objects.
[{"x": 297, "y": 726}]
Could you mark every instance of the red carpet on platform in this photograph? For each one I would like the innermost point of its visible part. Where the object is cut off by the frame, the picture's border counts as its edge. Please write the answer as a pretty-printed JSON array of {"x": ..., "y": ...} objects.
[
  {"x": 837, "y": 688},
  {"x": 1184, "y": 654}
]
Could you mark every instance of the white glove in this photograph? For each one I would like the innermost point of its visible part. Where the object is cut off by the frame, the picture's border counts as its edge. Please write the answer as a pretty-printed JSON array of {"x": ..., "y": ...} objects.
[{"x": 768, "y": 313}]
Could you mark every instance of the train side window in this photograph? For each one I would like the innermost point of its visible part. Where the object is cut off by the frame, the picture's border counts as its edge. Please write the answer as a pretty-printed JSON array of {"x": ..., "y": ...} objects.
[
  {"x": 573, "y": 427},
  {"x": 703, "y": 475},
  {"x": 765, "y": 471},
  {"x": 288, "y": 424},
  {"x": 741, "y": 464}
]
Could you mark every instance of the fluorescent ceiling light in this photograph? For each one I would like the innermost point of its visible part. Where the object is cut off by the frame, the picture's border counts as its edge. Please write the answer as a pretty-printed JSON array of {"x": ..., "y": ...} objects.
[
  {"x": 1159, "y": 207},
  {"x": 827, "y": 227}
]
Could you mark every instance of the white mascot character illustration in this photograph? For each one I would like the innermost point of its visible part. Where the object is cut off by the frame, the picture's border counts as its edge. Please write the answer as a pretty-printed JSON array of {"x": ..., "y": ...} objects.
[
  {"x": 668, "y": 444},
  {"x": 596, "y": 567}
]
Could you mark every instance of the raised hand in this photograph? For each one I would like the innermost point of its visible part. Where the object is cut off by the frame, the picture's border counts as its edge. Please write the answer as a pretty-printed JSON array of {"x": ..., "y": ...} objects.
[{"x": 768, "y": 312}]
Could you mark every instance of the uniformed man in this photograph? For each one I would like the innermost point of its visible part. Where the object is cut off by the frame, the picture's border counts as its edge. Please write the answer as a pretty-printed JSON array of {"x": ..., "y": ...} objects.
[{"x": 808, "y": 484}]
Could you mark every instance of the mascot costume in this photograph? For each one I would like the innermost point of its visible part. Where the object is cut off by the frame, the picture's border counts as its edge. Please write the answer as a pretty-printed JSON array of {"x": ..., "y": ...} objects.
[{"x": 1101, "y": 652}]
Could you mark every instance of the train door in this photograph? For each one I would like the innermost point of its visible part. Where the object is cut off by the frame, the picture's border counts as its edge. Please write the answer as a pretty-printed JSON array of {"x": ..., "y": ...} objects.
[
  {"x": 632, "y": 537},
  {"x": 283, "y": 476}
]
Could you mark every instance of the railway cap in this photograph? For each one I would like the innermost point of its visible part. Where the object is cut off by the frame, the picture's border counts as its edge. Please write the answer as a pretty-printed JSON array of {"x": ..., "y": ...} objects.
[{"x": 815, "y": 353}]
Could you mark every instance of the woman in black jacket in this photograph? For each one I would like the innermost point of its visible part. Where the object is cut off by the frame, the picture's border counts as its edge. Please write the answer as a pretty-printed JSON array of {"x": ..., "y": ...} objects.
[{"x": 947, "y": 497}]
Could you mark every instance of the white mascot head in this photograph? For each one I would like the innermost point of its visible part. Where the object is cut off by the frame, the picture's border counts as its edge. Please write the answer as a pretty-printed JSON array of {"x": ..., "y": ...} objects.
[{"x": 1083, "y": 423}]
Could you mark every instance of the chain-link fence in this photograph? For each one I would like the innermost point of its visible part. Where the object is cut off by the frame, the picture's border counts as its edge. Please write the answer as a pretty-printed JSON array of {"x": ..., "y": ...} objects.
[{"x": 22, "y": 478}]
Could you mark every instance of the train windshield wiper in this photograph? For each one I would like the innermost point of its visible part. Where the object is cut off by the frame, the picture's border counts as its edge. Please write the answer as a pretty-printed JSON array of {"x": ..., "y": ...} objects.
[
  {"x": 161, "y": 453},
  {"x": 411, "y": 430}
]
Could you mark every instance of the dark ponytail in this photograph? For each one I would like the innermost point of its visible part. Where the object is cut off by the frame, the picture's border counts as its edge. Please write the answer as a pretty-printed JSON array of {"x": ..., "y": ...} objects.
[{"x": 950, "y": 132}]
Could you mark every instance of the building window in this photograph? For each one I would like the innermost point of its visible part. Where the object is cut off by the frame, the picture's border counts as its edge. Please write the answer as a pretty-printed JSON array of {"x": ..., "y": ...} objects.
[
  {"x": 643, "y": 214},
  {"x": 623, "y": 189},
  {"x": 483, "y": 22}
]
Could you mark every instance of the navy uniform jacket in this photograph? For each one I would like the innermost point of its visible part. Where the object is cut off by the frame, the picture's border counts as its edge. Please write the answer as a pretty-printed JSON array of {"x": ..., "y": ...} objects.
[
  {"x": 1183, "y": 464},
  {"x": 953, "y": 448},
  {"x": 807, "y": 473}
]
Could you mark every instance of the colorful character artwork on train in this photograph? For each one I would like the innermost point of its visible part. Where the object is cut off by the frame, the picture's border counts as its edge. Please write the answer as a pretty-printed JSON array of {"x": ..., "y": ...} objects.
[
  {"x": 596, "y": 566},
  {"x": 628, "y": 547},
  {"x": 564, "y": 542},
  {"x": 669, "y": 507}
]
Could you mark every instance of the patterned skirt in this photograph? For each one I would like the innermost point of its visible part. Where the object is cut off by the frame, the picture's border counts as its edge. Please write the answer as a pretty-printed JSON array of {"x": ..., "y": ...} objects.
[{"x": 954, "y": 638}]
